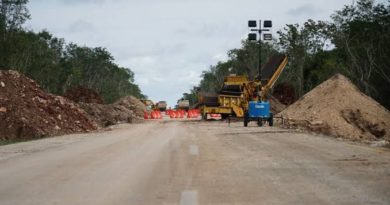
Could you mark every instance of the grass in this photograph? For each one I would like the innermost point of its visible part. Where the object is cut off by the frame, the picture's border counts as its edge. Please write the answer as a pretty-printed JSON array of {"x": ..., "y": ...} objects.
[{"x": 14, "y": 141}]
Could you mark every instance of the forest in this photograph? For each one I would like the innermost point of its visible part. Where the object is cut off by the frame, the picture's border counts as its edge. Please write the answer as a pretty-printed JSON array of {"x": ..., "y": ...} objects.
[
  {"x": 55, "y": 64},
  {"x": 355, "y": 43}
]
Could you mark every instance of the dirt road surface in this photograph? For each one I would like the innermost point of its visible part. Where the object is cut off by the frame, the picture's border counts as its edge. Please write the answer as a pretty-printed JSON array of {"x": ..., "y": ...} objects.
[{"x": 193, "y": 163}]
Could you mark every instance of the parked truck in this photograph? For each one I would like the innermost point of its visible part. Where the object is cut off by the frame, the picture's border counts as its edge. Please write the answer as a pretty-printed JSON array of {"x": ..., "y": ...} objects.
[
  {"x": 183, "y": 104},
  {"x": 162, "y": 106}
]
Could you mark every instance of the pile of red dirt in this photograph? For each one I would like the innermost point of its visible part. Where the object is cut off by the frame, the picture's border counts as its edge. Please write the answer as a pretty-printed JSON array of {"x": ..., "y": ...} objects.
[
  {"x": 27, "y": 112},
  {"x": 133, "y": 104},
  {"x": 337, "y": 107},
  {"x": 107, "y": 115},
  {"x": 285, "y": 93},
  {"x": 84, "y": 95}
]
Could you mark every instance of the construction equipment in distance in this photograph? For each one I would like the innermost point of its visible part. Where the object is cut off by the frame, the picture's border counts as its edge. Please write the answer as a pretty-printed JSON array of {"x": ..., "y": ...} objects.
[
  {"x": 243, "y": 98},
  {"x": 183, "y": 104},
  {"x": 162, "y": 106}
]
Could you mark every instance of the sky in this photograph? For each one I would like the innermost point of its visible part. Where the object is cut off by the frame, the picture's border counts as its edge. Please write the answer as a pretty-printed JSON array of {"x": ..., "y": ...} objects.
[{"x": 168, "y": 43}]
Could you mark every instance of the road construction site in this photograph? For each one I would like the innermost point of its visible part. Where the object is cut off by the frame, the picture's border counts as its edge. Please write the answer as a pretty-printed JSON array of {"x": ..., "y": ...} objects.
[
  {"x": 193, "y": 162},
  {"x": 329, "y": 147}
]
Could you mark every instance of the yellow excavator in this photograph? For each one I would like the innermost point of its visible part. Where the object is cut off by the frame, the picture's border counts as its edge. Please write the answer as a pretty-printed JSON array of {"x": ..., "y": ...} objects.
[{"x": 244, "y": 98}]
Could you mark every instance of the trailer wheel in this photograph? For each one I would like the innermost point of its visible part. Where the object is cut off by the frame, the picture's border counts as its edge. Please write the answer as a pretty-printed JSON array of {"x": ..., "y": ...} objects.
[
  {"x": 259, "y": 122},
  {"x": 271, "y": 120},
  {"x": 246, "y": 120}
]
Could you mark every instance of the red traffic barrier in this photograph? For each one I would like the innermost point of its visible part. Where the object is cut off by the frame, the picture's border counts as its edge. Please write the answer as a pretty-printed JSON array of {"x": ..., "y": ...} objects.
[
  {"x": 177, "y": 114},
  {"x": 189, "y": 114},
  {"x": 146, "y": 115},
  {"x": 156, "y": 115},
  {"x": 172, "y": 114}
]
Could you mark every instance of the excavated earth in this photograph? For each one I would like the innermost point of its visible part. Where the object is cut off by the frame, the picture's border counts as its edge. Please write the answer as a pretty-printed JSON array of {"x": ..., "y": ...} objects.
[
  {"x": 111, "y": 114},
  {"x": 126, "y": 110},
  {"x": 337, "y": 108},
  {"x": 83, "y": 95},
  {"x": 133, "y": 104},
  {"x": 28, "y": 112},
  {"x": 276, "y": 105}
]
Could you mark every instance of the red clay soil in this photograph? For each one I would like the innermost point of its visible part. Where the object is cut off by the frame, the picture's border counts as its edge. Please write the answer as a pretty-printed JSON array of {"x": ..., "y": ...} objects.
[
  {"x": 27, "y": 112},
  {"x": 84, "y": 95},
  {"x": 337, "y": 108}
]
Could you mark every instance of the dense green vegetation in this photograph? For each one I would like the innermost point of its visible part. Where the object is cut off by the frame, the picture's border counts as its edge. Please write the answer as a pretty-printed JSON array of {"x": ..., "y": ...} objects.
[
  {"x": 55, "y": 65},
  {"x": 356, "y": 43}
]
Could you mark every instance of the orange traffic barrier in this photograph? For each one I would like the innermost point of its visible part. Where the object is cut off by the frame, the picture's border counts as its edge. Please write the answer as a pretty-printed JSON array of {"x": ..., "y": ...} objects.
[
  {"x": 146, "y": 115},
  {"x": 177, "y": 114},
  {"x": 155, "y": 115},
  {"x": 189, "y": 114},
  {"x": 171, "y": 114}
]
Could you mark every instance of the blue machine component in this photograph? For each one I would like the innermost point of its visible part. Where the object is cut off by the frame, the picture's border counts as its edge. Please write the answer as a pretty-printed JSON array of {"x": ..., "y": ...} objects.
[{"x": 259, "y": 109}]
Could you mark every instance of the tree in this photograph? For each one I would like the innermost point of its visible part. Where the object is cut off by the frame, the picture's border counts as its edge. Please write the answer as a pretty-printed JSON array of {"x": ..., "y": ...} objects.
[
  {"x": 13, "y": 14},
  {"x": 55, "y": 65},
  {"x": 361, "y": 31},
  {"x": 302, "y": 44}
]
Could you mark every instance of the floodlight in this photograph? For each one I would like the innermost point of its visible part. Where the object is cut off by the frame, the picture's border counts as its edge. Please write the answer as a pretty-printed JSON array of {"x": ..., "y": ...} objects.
[
  {"x": 252, "y": 24},
  {"x": 252, "y": 37},
  {"x": 267, "y": 24}
]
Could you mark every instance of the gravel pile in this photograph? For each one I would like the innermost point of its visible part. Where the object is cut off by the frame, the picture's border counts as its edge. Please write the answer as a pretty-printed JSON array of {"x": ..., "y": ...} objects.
[
  {"x": 337, "y": 107},
  {"x": 28, "y": 112}
]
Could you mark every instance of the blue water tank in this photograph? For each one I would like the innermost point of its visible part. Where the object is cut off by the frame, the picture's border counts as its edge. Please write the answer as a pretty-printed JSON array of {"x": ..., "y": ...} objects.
[{"x": 259, "y": 109}]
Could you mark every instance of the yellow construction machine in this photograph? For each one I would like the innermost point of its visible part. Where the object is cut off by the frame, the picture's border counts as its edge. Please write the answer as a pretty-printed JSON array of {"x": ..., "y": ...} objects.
[{"x": 238, "y": 94}]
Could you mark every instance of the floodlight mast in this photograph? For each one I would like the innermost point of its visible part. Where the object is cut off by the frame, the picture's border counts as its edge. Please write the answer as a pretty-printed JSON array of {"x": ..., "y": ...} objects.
[{"x": 252, "y": 24}]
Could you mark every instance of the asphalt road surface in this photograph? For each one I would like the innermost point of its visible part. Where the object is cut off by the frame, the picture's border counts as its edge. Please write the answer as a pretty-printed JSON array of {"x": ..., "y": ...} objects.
[{"x": 193, "y": 163}]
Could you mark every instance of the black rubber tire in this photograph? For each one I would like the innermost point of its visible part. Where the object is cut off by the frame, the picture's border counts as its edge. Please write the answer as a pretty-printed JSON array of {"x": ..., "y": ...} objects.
[
  {"x": 224, "y": 116},
  {"x": 271, "y": 120},
  {"x": 260, "y": 122},
  {"x": 246, "y": 120}
]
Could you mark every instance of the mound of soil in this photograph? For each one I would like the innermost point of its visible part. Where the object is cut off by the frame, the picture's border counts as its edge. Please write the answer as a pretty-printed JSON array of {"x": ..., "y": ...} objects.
[
  {"x": 83, "y": 94},
  {"x": 133, "y": 104},
  {"x": 337, "y": 107},
  {"x": 27, "y": 112},
  {"x": 276, "y": 106},
  {"x": 107, "y": 115}
]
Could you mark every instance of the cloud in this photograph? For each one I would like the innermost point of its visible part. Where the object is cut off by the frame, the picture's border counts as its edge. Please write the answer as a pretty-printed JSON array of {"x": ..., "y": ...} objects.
[
  {"x": 167, "y": 43},
  {"x": 305, "y": 10},
  {"x": 71, "y": 2},
  {"x": 81, "y": 26}
]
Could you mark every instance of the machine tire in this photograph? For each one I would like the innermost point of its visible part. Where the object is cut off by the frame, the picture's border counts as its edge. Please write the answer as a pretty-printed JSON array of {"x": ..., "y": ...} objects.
[
  {"x": 224, "y": 116},
  {"x": 271, "y": 120},
  {"x": 246, "y": 120},
  {"x": 260, "y": 122}
]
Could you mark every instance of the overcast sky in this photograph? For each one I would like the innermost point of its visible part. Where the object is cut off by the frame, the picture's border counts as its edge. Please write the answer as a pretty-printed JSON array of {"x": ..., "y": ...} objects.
[{"x": 168, "y": 43}]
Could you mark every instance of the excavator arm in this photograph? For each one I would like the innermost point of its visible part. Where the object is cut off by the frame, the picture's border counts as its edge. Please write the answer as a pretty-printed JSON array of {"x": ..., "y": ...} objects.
[{"x": 275, "y": 76}]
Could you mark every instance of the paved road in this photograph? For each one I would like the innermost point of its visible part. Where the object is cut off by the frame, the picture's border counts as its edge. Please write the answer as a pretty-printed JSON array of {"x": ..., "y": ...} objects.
[{"x": 193, "y": 163}]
